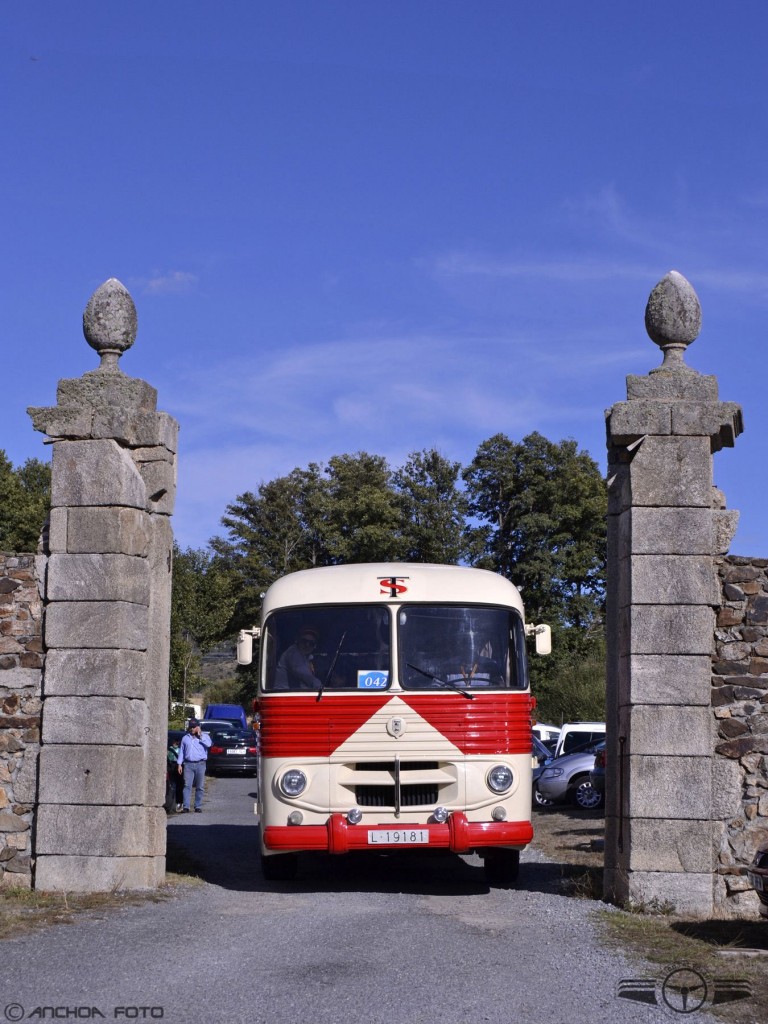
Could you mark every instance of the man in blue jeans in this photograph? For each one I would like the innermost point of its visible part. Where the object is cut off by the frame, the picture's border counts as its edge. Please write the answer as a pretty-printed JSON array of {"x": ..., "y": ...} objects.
[{"x": 193, "y": 753}]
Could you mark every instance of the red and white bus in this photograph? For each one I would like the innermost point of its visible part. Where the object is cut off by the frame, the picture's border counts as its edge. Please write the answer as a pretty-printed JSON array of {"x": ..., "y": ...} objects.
[{"x": 395, "y": 712}]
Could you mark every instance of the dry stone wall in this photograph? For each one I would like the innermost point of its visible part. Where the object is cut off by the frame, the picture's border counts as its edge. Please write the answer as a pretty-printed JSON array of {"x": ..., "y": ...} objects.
[
  {"x": 21, "y": 662},
  {"x": 740, "y": 708}
]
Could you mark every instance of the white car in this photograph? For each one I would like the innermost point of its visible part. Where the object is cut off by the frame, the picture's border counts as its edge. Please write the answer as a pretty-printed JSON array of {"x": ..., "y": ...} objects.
[{"x": 548, "y": 734}]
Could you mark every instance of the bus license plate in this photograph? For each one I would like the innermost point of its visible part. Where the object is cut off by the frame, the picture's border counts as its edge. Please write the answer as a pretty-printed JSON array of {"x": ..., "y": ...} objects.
[{"x": 397, "y": 836}]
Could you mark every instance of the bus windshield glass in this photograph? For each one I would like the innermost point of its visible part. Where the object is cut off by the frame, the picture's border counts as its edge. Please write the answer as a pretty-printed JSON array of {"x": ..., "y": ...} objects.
[
  {"x": 454, "y": 646},
  {"x": 336, "y": 647}
]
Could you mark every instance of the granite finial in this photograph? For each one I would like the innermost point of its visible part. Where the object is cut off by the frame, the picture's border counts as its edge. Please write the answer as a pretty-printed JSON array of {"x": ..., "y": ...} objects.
[
  {"x": 673, "y": 319},
  {"x": 110, "y": 323}
]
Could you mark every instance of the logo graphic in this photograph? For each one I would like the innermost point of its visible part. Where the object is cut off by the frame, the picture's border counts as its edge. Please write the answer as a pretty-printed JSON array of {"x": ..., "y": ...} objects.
[
  {"x": 393, "y": 586},
  {"x": 396, "y": 727},
  {"x": 684, "y": 990}
]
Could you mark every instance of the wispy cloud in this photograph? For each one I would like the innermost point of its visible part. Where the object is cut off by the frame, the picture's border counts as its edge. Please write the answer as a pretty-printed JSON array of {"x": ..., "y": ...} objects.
[{"x": 173, "y": 282}]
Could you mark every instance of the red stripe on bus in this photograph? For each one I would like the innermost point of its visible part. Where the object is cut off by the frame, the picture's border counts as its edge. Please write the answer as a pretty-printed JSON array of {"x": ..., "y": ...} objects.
[
  {"x": 300, "y": 726},
  {"x": 492, "y": 723},
  {"x": 305, "y": 727}
]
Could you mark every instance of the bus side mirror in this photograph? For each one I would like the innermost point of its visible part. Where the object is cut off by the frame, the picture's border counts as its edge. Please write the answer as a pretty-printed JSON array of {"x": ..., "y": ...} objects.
[
  {"x": 245, "y": 645},
  {"x": 543, "y": 637}
]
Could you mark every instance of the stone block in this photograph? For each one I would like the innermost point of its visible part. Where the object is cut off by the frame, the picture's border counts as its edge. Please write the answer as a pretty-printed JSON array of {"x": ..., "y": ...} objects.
[
  {"x": 691, "y": 893},
  {"x": 674, "y": 579},
  {"x": 78, "y": 830},
  {"x": 672, "y": 846},
  {"x": 135, "y": 428},
  {"x": 661, "y": 786},
  {"x": 668, "y": 531},
  {"x": 666, "y": 679},
  {"x": 168, "y": 429},
  {"x": 98, "y": 720},
  {"x": 670, "y": 629},
  {"x": 95, "y": 473},
  {"x": 91, "y": 774},
  {"x": 88, "y": 624},
  {"x": 25, "y": 783},
  {"x": 659, "y": 385},
  {"x": 725, "y": 523},
  {"x": 107, "y": 530},
  {"x": 114, "y": 392},
  {"x": 160, "y": 482},
  {"x": 628, "y": 421},
  {"x": 672, "y": 471},
  {"x": 672, "y": 730},
  {"x": 104, "y": 577},
  {"x": 727, "y": 778},
  {"x": 57, "y": 530},
  {"x": 704, "y": 419},
  {"x": 104, "y": 673},
  {"x": 16, "y": 678},
  {"x": 98, "y": 874},
  {"x": 62, "y": 421}
]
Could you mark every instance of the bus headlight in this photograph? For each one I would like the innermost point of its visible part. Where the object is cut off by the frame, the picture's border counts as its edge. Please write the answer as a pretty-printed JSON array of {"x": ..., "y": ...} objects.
[
  {"x": 499, "y": 778},
  {"x": 293, "y": 782}
]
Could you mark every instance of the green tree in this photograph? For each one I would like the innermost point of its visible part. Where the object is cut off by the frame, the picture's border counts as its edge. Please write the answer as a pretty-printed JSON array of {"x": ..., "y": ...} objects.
[
  {"x": 203, "y": 598},
  {"x": 541, "y": 508},
  {"x": 433, "y": 508},
  {"x": 358, "y": 512},
  {"x": 270, "y": 533},
  {"x": 25, "y": 499}
]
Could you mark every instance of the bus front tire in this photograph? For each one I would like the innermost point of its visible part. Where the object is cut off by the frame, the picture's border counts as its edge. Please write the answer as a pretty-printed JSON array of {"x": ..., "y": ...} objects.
[
  {"x": 501, "y": 867},
  {"x": 281, "y": 867}
]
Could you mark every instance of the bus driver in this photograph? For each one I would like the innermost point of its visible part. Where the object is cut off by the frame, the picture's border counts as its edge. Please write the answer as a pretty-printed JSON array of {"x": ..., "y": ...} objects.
[{"x": 296, "y": 669}]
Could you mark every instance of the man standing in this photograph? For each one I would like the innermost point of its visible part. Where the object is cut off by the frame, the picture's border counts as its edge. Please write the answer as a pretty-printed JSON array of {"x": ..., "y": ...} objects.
[{"x": 193, "y": 753}]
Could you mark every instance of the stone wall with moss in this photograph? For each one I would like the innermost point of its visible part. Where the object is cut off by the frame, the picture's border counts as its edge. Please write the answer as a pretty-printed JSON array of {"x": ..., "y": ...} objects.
[
  {"x": 21, "y": 663},
  {"x": 740, "y": 706}
]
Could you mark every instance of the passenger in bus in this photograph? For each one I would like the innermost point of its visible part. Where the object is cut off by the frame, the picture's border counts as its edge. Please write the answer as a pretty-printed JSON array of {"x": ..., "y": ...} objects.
[{"x": 296, "y": 669}]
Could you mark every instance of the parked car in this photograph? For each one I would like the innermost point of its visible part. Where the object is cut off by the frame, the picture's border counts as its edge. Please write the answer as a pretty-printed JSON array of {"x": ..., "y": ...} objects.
[
  {"x": 567, "y": 779},
  {"x": 576, "y": 736},
  {"x": 213, "y": 725},
  {"x": 758, "y": 877},
  {"x": 233, "y": 713},
  {"x": 542, "y": 755},
  {"x": 548, "y": 734},
  {"x": 597, "y": 774},
  {"x": 235, "y": 751}
]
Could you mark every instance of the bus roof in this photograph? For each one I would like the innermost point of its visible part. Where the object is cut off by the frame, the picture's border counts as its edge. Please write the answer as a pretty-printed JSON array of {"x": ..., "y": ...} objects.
[{"x": 390, "y": 582}]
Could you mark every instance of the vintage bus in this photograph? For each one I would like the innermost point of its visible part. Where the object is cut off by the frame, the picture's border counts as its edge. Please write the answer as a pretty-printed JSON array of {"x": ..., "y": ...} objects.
[{"x": 395, "y": 711}]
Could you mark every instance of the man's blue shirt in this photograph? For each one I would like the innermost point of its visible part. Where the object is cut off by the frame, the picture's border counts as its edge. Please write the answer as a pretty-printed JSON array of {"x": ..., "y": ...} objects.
[{"x": 193, "y": 748}]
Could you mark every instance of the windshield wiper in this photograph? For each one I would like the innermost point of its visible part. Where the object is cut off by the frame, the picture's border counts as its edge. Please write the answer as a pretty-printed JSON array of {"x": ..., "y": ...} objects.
[
  {"x": 327, "y": 679},
  {"x": 441, "y": 682}
]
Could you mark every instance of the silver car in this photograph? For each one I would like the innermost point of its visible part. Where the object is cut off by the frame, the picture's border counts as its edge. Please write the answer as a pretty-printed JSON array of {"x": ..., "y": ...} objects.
[{"x": 567, "y": 779}]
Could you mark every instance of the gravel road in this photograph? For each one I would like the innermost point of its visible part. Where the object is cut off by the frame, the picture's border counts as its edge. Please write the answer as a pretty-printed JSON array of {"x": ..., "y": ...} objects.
[{"x": 409, "y": 939}]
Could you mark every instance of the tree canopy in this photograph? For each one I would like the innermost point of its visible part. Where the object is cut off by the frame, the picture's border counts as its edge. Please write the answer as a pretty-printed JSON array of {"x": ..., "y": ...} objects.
[{"x": 25, "y": 498}]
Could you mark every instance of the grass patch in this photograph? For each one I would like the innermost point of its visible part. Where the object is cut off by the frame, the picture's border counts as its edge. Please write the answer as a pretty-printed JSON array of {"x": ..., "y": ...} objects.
[{"x": 721, "y": 949}]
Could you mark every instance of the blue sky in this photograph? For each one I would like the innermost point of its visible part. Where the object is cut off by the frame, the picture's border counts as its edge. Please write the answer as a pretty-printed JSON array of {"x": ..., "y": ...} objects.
[{"x": 382, "y": 226}]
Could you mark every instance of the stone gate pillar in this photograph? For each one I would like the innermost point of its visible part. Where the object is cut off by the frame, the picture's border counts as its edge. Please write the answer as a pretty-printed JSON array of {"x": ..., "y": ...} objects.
[
  {"x": 100, "y": 820},
  {"x": 666, "y": 525}
]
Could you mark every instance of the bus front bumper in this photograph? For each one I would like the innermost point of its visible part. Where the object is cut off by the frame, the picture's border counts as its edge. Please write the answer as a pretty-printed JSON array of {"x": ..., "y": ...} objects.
[{"x": 339, "y": 836}]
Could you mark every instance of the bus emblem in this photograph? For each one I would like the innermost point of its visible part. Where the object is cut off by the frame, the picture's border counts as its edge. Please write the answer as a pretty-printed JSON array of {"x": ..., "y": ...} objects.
[
  {"x": 396, "y": 727},
  {"x": 393, "y": 585}
]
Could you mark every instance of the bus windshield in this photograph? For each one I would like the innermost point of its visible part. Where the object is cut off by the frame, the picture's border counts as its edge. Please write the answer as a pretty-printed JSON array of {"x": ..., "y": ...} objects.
[
  {"x": 469, "y": 647},
  {"x": 333, "y": 647}
]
